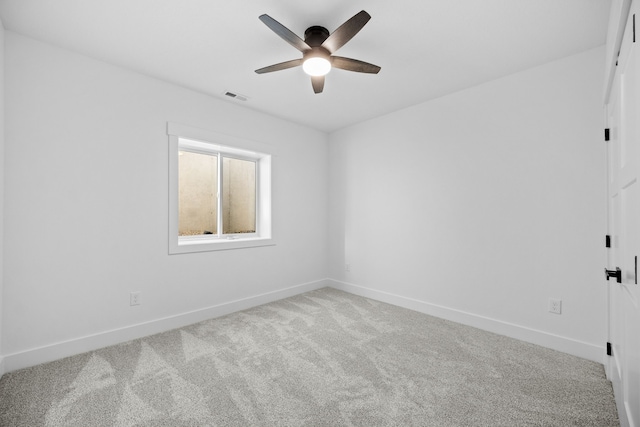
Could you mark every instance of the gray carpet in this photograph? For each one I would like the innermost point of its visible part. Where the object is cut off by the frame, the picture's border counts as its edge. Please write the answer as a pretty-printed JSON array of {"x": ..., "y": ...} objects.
[{"x": 324, "y": 358}]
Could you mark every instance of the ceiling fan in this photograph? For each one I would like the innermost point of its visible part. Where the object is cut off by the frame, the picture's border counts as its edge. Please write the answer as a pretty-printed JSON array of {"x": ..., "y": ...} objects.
[{"x": 318, "y": 48}]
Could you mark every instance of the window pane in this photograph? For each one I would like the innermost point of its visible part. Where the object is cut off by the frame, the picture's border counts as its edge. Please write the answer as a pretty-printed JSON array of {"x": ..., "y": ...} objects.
[
  {"x": 198, "y": 189},
  {"x": 238, "y": 196}
]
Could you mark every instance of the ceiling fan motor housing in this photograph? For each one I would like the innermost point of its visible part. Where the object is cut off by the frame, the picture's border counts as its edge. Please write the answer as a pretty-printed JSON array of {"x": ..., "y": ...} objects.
[{"x": 316, "y": 35}]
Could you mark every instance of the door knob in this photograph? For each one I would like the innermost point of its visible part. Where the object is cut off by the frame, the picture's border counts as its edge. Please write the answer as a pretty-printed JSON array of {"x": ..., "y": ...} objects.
[{"x": 617, "y": 273}]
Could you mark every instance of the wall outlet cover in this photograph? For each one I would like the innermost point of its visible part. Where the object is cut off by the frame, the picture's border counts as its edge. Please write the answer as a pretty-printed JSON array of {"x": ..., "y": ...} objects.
[
  {"x": 134, "y": 298},
  {"x": 555, "y": 306}
]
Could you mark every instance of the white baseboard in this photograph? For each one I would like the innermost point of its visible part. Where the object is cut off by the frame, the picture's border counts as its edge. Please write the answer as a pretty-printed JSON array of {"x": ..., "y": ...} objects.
[
  {"x": 544, "y": 339},
  {"x": 36, "y": 356}
]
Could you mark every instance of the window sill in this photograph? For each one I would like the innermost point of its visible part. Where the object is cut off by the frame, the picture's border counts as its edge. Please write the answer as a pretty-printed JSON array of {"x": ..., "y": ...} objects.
[{"x": 189, "y": 246}]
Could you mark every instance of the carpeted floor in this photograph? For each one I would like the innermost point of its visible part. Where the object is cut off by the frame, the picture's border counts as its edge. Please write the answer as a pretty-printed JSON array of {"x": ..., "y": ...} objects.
[{"x": 324, "y": 358}]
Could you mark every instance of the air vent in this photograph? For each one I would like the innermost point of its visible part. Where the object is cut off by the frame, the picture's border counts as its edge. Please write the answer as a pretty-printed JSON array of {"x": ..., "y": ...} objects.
[{"x": 236, "y": 96}]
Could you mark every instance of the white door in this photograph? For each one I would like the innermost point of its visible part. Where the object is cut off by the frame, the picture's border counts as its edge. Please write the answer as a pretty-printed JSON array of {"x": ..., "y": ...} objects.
[{"x": 624, "y": 228}]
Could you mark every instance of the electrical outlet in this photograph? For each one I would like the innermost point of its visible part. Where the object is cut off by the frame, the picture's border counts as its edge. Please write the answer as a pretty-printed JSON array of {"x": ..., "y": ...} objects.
[
  {"x": 134, "y": 298},
  {"x": 555, "y": 306},
  {"x": 347, "y": 267}
]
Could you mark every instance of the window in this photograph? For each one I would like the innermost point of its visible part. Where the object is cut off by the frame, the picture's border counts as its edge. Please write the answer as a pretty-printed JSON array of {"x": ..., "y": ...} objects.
[
  {"x": 215, "y": 192},
  {"x": 220, "y": 192}
]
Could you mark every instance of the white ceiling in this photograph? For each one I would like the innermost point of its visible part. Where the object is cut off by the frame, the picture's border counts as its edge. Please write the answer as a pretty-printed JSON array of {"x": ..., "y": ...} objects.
[{"x": 426, "y": 48}]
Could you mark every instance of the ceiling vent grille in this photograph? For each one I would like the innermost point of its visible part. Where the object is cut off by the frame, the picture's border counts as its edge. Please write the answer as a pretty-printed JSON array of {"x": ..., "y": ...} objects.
[{"x": 236, "y": 96}]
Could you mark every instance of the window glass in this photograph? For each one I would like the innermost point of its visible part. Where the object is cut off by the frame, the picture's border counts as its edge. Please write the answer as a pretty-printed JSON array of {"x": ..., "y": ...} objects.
[
  {"x": 238, "y": 196},
  {"x": 198, "y": 194}
]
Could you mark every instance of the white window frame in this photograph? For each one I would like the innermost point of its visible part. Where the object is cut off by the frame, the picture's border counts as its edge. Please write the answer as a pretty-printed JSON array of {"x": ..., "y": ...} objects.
[{"x": 196, "y": 140}]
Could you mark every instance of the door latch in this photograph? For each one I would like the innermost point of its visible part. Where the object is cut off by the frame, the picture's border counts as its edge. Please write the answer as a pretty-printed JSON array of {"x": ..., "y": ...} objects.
[{"x": 617, "y": 273}]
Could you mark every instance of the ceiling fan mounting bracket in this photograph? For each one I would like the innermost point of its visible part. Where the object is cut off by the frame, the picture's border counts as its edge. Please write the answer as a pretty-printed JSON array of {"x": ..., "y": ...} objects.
[{"x": 316, "y": 35}]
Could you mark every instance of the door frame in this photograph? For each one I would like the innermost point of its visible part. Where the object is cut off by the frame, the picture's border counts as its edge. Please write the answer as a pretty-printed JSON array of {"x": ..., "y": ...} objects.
[
  {"x": 617, "y": 22},
  {"x": 618, "y": 19}
]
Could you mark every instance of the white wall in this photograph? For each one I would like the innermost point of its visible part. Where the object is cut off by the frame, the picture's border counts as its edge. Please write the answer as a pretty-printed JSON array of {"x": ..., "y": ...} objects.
[
  {"x": 86, "y": 218},
  {"x": 2, "y": 168},
  {"x": 481, "y": 205},
  {"x": 477, "y": 206}
]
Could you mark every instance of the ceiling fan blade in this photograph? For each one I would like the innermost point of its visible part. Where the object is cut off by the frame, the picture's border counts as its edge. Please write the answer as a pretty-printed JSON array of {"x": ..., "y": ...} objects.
[
  {"x": 346, "y": 31},
  {"x": 280, "y": 66},
  {"x": 354, "y": 65},
  {"x": 318, "y": 83},
  {"x": 286, "y": 34}
]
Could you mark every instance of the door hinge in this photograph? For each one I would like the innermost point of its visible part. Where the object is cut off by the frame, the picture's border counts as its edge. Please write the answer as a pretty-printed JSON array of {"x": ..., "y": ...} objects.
[
  {"x": 606, "y": 134},
  {"x": 609, "y": 349},
  {"x": 617, "y": 274},
  {"x": 607, "y": 241}
]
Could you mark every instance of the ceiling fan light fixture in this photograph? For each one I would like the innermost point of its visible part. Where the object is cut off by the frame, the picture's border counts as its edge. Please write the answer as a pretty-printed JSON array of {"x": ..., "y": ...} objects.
[
  {"x": 318, "y": 48},
  {"x": 316, "y": 66}
]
